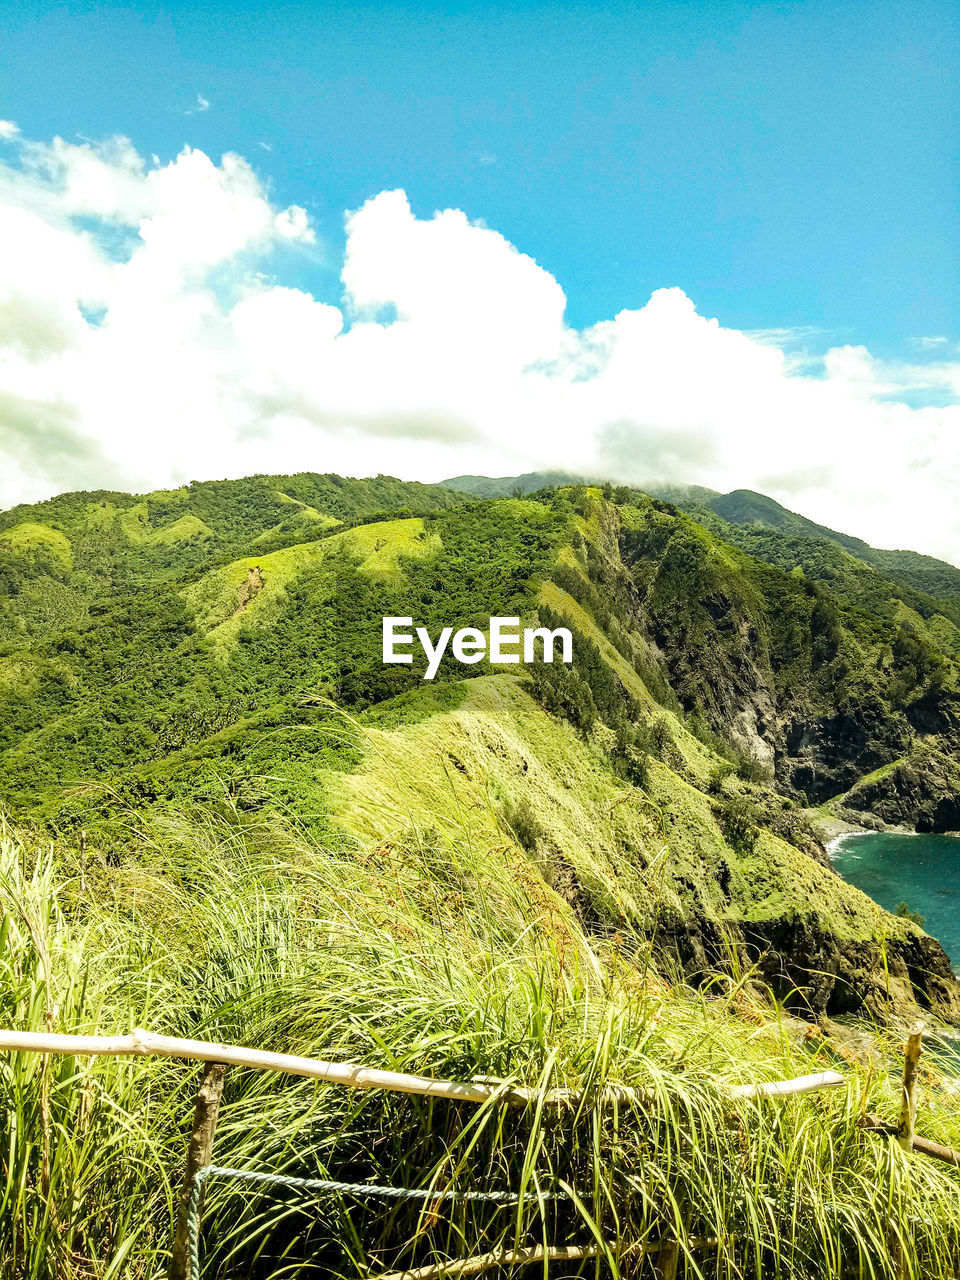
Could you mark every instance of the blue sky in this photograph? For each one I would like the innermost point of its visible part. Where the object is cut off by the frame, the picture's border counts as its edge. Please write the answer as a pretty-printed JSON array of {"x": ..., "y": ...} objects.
[
  {"x": 786, "y": 164},
  {"x": 664, "y": 243}
]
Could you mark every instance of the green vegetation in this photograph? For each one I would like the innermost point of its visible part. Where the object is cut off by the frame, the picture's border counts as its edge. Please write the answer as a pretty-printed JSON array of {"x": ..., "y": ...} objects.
[
  {"x": 455, "y": 960},
  {"x": 228, "y": 819},
  {"x": 850, "y": 674},
  {"x": 510, "y": 486},
  {"x": 101, "y": 541},
  {"x": 696, "y": 670},
  {"x": 906, "y": 568},
  {"x": 197, "y": 669}
]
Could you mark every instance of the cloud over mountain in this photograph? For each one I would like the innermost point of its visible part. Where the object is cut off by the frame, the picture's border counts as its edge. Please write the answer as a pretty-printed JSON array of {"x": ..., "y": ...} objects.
[{"x": 150, "y": 335}]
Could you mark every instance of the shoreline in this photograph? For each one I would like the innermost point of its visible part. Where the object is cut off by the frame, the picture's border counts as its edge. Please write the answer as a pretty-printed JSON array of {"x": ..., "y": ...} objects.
[
  {"x": 838, "y": 844},
  {"x": 834, "y": 831},
  {"x": 834, "y": 845}
]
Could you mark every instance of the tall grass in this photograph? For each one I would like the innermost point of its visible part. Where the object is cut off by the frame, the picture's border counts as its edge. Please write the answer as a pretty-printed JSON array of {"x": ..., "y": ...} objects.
[{"x": 434, "y": 955}]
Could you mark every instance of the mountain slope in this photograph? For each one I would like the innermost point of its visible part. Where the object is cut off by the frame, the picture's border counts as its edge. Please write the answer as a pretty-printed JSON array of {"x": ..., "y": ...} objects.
[
  {"x": 907, "y": 568},
  {"x": 56, "y": 556},
  {"x": 511, "y": 486},
  {"x": 656, "y": 780},
  {"x": 748, "y": 509}
]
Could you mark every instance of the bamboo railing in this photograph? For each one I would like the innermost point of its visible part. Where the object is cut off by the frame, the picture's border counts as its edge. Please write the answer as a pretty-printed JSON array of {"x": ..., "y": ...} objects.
[
  {"x": 141, "y": 1043},
  {"x": 218, "y": 1057}
]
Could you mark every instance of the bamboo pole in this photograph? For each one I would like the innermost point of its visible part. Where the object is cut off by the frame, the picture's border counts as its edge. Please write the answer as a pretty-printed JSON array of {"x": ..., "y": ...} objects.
[
  {"x": 908, "y": 1108},
  {"x": 787, "y": 1088},
  {"x": 668, "y": 1259},
  {"x": 905, "y": 1133},
  {"x": 898, "y": 1255},
  {"x": 925, "y": 1147},
  {"x": 148, "y": 1044},
  {"x": 936, "y": 1150},
  {"x": 538, "y": 1253},
  {"x": 498, "y": 1258},
  {"x": 199, "y": 1155}
]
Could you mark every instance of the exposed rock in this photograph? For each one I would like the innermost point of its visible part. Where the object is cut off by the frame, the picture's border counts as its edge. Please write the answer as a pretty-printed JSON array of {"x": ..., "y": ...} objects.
[
  {"x": 834, "y": 976},
  {"x": 250, "y": 588},
  {"x": 922, "y": 790},
  {"x": 817, "y": 974},
  {"x": 822, "y": 757}
]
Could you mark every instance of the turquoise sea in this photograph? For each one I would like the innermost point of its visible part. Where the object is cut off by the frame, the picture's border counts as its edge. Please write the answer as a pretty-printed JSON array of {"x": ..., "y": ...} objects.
[{"x": 923, "y": 871}]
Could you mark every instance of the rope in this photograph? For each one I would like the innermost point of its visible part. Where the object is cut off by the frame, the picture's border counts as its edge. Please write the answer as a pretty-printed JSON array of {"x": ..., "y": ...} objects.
[{"x": 332, "y": 1188}]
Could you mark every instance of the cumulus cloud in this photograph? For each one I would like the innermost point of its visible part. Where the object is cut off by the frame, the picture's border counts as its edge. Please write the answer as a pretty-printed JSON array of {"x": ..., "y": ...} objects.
[{"x": 145, "y": 340}]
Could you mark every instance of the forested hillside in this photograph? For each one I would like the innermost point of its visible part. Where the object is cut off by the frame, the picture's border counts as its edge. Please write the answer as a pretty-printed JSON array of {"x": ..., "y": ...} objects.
[
  {"x": 755, "y": 513},
  {"x": 57, "y": 556},
  {"x": 206, "y": 649},
  {"x": 222, "y": 812}
]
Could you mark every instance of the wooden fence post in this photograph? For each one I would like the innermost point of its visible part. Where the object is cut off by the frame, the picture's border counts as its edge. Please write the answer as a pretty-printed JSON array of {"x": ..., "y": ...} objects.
[
  {"x": 199, "y": 1155},
  {"x": 908, "y": 1119},
  {"x": 668, "y": 1259},
  {"x": 908, "y": 1108}
]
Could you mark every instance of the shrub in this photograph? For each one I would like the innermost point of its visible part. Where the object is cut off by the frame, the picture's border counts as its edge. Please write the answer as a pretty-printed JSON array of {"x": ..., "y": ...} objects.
[
  {"x": 902, "y": 910},
  {"x": 751, "y": 768},
  {"x": 737, "y": 819},
  {"x": 524, "y": 823}
]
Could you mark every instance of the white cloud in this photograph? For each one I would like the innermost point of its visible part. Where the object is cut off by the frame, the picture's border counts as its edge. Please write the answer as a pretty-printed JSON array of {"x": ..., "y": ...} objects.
[
  {"x": 143, "y": 343},
  {"x": 9, "y": 130},
  {"x": 931, "y": 342}
]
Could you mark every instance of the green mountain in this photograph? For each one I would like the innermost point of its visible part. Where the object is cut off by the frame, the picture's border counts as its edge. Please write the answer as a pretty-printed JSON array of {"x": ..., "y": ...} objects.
[
  {"x": 217, "y": 649},
  {"x": 755, "y": 511},
  {"x": 511, "y": 486},
  {"x": 226, "y": 819},
  {"x": 58, "y": 556},
  {"x": 907, "y": 568}
]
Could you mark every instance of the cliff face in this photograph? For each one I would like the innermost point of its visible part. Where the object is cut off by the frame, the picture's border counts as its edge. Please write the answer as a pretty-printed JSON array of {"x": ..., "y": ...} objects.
[
  {"x": 846, "y": 976},
  {"x": 713, "y": 696},
  {"x": 817, "y": 973},
  {"x": 921, "y": 791},
  {"x": 829, "y": 689}
]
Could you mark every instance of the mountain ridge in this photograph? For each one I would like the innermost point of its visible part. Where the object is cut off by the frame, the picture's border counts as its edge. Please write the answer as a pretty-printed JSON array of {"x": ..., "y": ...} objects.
[
  {"x": 739, "y": 507},
  {"x": 715, "y": 686}
]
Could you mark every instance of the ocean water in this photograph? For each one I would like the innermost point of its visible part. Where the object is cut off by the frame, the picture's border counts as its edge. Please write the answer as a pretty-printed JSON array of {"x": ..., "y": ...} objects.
[{"x": 923, "y": 871}]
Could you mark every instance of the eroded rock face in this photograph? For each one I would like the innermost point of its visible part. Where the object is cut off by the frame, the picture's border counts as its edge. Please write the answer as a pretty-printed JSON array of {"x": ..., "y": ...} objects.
[
  {"x": 250, "y": 588},
  {"x": 779, "y": 670},
  {"x": 816, "y": 974},
  {"x": 837, "y": 976},
  {"x": 824, "y": 756},
  {"x": 922, "y": 791}
]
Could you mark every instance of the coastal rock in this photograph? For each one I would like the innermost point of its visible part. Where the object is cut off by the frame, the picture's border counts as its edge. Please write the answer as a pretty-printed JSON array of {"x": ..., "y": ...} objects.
[
  {"x": 824, "y": 756},
  {"x": 922, "y": 790},
  {"x": 817, "y": 974},
  {"x": 832, "y": 976}
]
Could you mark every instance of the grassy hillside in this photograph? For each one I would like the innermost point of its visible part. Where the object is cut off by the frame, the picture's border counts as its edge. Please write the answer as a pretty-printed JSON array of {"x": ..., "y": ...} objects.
[
  {"x": 436, "y": 953},
  {"x": 229, "y": 820},
  {"x": 57, "y": 556},
  {"x": 711, "y": 692}
]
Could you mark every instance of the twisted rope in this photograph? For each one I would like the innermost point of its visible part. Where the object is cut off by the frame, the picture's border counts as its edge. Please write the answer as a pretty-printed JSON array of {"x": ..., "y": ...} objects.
[{"x": 330, "y": 1187}]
